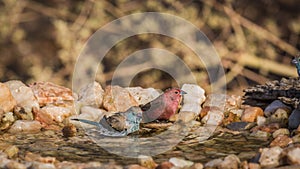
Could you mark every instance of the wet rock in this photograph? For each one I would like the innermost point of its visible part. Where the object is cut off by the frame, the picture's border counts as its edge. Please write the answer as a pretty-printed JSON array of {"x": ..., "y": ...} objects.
[
  {"x": 240, "y": 126},
  {"x": 280, "y": 116},
  {"x": 146, "y": 161},
  {"x": 7, "y": 120},
  {"x": 50, "y": 93},
  {"x": 30, "y": 157},
  {"x": 193, "y": 98},
  {"x": 143, "y": 96},
  {"x": 270, "y": 157},
  {"x": 15, "y": 165},
  {"x": 53, "y": 114},
  {"x": 250, "y": 114},
  {"x": 213, "y": 163},
  {"x": 118, "y": 99},
  {"x": 214, "y": 116},
  {"x": 24, "y": 97},
  {"x": 135, "y": 166},
  {"x": 294, "y": 156},
  {"x": 230, "y": 162},
  {"x": 276, "y": 104},
  {"x": 91, "y": 95},
  {"x": 270, "y": 128},
  {"x": 25, "y": 126},
  {"x": 294, "y": 119},
  {"x": 281, "y": 141},
  {"x": 69, "y": 130},
  {"x": 282, "y": 131},
  {"x": 178, "y": 162},
  {"x": 7, "y": 101},
  {"x": 165, "y": 165},
  {"x": 260, "y": 134},
  {"x": 11, "y": 151},
  {"x": 261, "y": 120}
]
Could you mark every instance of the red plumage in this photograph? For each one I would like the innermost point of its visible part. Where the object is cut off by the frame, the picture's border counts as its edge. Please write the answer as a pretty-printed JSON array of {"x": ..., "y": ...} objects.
[{"x": 164, "y": 106}]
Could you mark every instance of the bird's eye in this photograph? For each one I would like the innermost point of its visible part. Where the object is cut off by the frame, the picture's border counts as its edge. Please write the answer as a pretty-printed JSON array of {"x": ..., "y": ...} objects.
[{"x": 176, "y": 92}]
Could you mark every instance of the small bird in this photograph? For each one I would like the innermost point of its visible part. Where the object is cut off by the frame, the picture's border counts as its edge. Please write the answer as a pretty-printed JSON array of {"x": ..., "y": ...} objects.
[
  {"x": 296, "y": 61},
  {"x": 164, "y": 106},
  {"x": 123, "y": 123}
]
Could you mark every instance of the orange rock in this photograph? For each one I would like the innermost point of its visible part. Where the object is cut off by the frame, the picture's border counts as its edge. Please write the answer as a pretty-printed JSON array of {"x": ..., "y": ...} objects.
[
  {"x": 250, "y": 114},
  {"x": 281, "y": 141},
  {"x": 165, "y": 165},
  {"x": 7, "y": 101},
  {"x": 50, "y": 93},
  {"x": 117, "y": 99}
]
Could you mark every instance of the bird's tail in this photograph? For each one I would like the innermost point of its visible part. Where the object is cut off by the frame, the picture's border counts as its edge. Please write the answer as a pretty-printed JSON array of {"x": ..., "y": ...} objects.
[{"x": 88, "y": 122}]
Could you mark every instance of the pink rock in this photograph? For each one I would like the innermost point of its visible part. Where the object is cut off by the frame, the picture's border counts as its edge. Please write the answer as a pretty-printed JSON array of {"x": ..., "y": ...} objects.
[
  {"x": 118, "y": 99},
  {"x": 25, "y": 126},
  {"x": 50, "y": 93},
  {"x": 7, "y": 101},
  {"x": 91, "y": 95},
  {"x": 250, "y": 114}
]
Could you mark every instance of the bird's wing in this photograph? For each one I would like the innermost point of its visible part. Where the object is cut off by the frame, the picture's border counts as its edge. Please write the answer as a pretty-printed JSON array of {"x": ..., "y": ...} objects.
[{"x": 158, "y": 102}]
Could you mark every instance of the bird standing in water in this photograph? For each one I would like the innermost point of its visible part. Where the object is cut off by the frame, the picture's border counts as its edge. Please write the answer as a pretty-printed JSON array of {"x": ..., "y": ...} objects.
[
  {"x": 296, "y": 61},
  {"x": 123, "y": 123}
]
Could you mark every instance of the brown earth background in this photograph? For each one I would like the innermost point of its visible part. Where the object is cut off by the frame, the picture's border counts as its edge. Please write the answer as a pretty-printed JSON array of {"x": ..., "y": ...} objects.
[{"x": 256, "y": 40}]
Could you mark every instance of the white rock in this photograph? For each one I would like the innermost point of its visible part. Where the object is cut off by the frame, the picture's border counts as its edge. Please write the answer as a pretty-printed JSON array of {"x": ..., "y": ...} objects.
[
  {"x": 261, "y": 120},
  {"x": 23, "y": 95},
  {"x": 118, "y": 99},
  {"x": 88, "y": 113},
  {"x": 213, "y": 117},
  {"x": 91, "y": 95},
  {"x": 270, "y": 157},
  {"x": 178, "y": 162},
  {"x": 53, "y": 114},
  {"x": 294, "y": 156},
  {"x": 230, "y": 162},
  {"x": 213, "y": 163},
  {"x": 143, "y": 96},
  {"x": 25, "y": 126},
  {"x": 193, "y": 99}
]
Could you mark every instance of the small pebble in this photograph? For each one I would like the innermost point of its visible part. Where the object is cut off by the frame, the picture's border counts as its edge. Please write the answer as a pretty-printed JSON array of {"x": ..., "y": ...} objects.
[
  {"x": 294, "y": 119},
  {"x": 178, "y": 162},
  {"x": 146, "y": 161},
  {"x": 281, "y": 141},
  {"x": 270, "y": 157},
  {"x": 69, "y": 130},
  {"x": 250, "y": 114},
  {"x": 294, "y": 156},
  {"x": 281, "y": 131},
  {"x": 271, "y": 108}
]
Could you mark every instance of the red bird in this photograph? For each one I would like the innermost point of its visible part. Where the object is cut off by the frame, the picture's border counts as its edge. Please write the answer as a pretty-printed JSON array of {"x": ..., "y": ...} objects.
[{"x": 163, "y": 107}]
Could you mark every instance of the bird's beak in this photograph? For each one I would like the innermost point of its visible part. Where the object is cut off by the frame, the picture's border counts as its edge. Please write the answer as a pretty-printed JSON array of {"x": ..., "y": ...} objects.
[
  {"x": 294, "y": 61},
  {"x": 182, "y": 92}
]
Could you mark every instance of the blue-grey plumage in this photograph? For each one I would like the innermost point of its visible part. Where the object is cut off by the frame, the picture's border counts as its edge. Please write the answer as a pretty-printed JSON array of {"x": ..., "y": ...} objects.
[
  {"x": 296, "y": 61},
  {"x": 119, "y": 124}
]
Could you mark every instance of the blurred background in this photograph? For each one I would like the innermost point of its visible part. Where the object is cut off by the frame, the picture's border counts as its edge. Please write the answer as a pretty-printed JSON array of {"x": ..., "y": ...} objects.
[{"x": 256, "y": 40}]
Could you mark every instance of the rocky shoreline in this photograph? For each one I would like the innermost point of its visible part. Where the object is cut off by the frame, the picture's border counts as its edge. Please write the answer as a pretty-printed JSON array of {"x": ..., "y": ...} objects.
[{"x": 37, "y": 130}]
